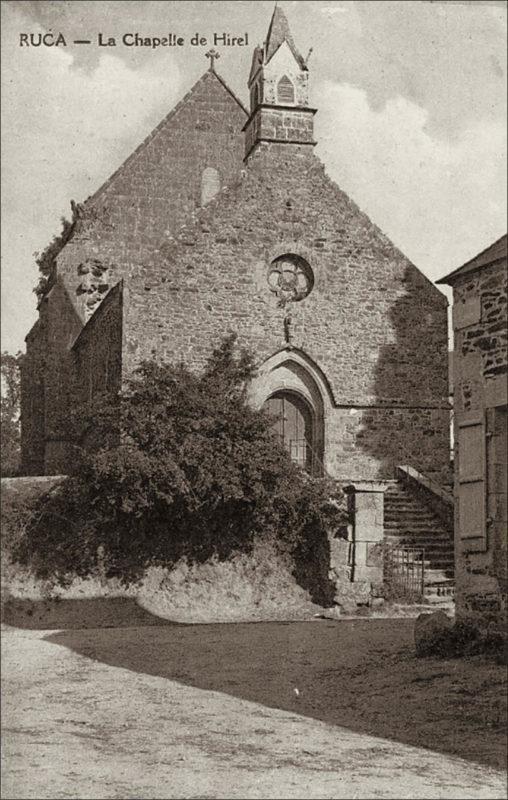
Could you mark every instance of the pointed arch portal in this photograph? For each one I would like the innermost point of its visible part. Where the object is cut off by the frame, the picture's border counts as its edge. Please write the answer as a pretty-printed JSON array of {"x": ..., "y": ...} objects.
[
  {"x": 293, "y": 388},
  {"x": 293, "y": 423}
]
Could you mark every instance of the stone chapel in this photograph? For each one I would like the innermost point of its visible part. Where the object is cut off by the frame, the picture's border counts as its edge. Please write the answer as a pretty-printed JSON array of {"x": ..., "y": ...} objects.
[{"x": 224, "y": 219}]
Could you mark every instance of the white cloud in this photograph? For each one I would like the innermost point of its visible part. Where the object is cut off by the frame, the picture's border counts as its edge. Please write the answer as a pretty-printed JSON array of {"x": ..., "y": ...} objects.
[
  {"x": 441, "y": 201},
  {"x": 64, "y": 132},
  {"x": 331, "y": 11}
]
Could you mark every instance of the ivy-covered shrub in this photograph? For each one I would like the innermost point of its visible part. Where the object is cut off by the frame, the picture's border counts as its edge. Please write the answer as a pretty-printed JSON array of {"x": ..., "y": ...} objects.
[
  {"x": 182, "y": 466},
  {"x": 46, "y": 259}
]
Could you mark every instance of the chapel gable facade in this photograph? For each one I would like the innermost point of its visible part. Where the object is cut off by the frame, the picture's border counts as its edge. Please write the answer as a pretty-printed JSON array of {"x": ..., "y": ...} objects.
[{"x": 225, "y": 220}]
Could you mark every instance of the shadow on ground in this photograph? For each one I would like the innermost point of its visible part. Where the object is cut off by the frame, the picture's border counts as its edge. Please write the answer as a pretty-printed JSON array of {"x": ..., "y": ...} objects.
[
  {"x": 96, "y": 612},
  {"x": 357, "y": 674}
]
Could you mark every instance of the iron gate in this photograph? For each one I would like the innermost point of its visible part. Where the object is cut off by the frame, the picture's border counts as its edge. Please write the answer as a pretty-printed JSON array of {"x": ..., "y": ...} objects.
[{"x": 404, "y": 573}]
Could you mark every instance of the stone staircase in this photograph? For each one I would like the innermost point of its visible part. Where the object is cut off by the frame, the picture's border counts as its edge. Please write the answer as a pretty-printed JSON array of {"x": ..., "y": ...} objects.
[{"x": 408, "y": 521}]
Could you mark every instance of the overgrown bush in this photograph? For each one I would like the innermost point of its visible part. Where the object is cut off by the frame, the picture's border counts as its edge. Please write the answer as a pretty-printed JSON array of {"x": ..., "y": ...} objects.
[
  {"x": 181, "y": 466},
  {"x": 17, "y": 512},
  {"x": 10, "y": 449},
  {"x": 46, "y": 259}
]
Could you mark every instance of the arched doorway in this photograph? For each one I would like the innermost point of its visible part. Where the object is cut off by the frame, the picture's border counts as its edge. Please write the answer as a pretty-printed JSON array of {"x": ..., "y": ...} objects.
[{"x": 293, "y": 425}]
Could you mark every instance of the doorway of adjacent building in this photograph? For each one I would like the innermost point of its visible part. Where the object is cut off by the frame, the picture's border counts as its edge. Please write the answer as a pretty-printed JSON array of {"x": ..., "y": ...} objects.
[{"x": 292, "y": 424}]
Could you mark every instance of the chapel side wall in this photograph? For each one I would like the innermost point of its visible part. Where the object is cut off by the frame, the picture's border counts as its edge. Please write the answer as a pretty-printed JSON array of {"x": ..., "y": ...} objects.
[
  {"x": 480, "y": 374},
  {"x": 62, "y": 324},
  {"x": 119, "y": 230},
  {"x": 32, "y": 402},
  {"x": 97, "y": 355}
]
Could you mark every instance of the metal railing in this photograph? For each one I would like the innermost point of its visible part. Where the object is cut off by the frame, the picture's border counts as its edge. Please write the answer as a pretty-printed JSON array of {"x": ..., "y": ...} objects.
[{"x": 404, "y": 573}]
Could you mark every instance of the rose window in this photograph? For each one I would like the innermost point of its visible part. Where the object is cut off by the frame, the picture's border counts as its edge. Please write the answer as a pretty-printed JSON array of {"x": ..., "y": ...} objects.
[{"x": 290, "y": 278}]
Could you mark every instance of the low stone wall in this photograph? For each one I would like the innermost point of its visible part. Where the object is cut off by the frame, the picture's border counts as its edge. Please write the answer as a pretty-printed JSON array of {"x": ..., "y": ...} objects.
[{"x": 356, "y": 559}]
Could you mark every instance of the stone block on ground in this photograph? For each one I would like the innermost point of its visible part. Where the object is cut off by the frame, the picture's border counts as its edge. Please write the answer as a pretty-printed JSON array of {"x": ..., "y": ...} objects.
[
  {"x": 347, "y": 605},
  {"x": 331, "y": 613},
  {"x": 432, "y": 633}
]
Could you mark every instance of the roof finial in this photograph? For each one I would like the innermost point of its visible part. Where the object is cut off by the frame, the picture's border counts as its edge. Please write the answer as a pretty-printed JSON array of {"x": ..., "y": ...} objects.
[{"x": 212, "y": 55}]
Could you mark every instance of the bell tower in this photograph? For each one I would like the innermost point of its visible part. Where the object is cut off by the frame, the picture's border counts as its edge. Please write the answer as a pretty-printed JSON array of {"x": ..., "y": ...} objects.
[{"x": 279, "y": 91}]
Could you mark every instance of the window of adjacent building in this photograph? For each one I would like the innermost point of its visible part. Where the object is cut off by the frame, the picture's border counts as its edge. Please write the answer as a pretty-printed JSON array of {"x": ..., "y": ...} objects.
[
  {"x": 471, "y": 482},
  {"x": 285, "y": 90}
]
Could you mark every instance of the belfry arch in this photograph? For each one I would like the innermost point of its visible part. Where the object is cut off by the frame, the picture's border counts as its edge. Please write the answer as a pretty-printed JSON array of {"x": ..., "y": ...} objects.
[{"x": 294, "y": 389}]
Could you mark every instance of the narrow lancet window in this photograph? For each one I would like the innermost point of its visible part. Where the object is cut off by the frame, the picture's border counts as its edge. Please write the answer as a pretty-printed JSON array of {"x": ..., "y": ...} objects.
[
  {"x": 210, "y": 184},
  {"x": 285, "y": 91}
]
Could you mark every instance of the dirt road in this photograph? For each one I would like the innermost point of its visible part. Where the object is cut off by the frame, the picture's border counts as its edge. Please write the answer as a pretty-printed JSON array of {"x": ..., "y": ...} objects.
[{"x": 271, "y": 710}]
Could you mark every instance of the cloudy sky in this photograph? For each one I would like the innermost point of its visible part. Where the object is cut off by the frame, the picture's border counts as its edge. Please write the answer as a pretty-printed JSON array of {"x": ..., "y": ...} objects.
[{"x": 411, "y": 122}]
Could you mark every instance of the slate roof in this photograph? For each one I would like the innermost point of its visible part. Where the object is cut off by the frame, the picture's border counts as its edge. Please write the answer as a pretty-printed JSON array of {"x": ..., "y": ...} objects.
[{"x": 496, "y": 252}]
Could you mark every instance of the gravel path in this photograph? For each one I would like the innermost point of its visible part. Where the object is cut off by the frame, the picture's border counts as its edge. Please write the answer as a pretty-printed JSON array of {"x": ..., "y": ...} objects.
[{"x": 211, "y": 712}]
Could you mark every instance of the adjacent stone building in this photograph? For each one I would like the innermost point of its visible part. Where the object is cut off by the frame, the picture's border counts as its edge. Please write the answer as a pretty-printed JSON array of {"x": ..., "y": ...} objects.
[
  {"x": 222, "y": 220},
  {"x": 480, "y": 373}
]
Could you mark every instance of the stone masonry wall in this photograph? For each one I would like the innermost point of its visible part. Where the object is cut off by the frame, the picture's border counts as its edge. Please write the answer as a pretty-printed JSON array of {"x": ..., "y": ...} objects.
[
  {"x": 121, "y": 227},
  {"x": 369, "y": 443},
  {"x": 479, "y": 303},
  {"x": 98, "y": 351},
  {"x": 93, "y": 365},
  {"x": 373, "y": 324},
  {"x": 157, "y": 188},
  {"x": 47, "y": 382},
  {"x": 480, "y": 373},
  {"x": 279, "y": 125}
]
